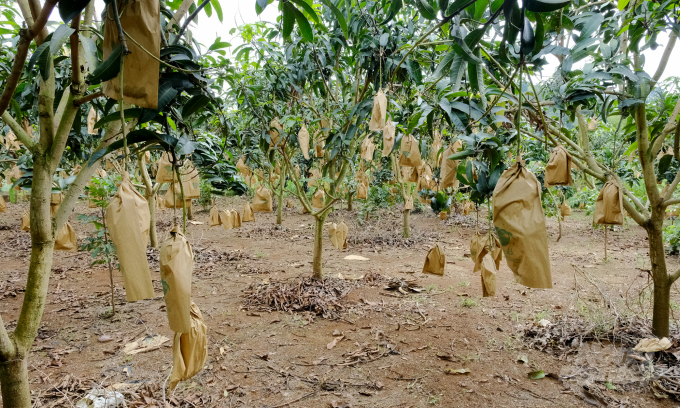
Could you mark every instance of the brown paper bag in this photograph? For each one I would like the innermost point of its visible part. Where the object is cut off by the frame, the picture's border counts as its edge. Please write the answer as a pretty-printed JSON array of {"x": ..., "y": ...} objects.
[
  {"x": 565, "y": 209},
  {"x": 408, "y": 203},
  {"x": 142, "y": 21},
  {"x": 314, "y": 176},
  {"x": 303, "y": 139},
  {"x": 165, "y": 171},
  {"x": 558, "y": 169},
  {"x": 435, "y": 147},
  {"x": 319, "y": 199},
  {"x": 214, "y": 217},
  {"x": 449, "y": 168},
  {"x": 92, "y": 117},
  {"x": 443, "y": 215},
  {"x": 609, "y": 205},
  {"x": 248, "y": 214},
  {"x": 177, "y": 265},
  {"x": 410, "y": 152},
  {"x": 367, "y": 149},
  {"x": 275, "y": 133},
  {"x": 489, "y": 269},
  {"x": 243, "y": 168},
  {"x": 192, "y": 184},
  {"x": 11, "y": 142},
  {"x": 26, "y": 222},
  {"x": 3, "y": 205},
  {"x": 263, "y": 200},
  {"x": 173, "y": 197},
  {"x": 435, "y": 261},
  {"x": 520, "y": 225},
  {"x": 189, "y": 350},
  {"x": 227, "y": 219},
  {"x": 479, "y": 247},
  {"x": 128, "y": 218},
  {"x": 318, "y": 150},
  {"x": 379, "y": 114},
  {"x": 338, "y": 233},
  {"x": 66, "y": 239},
  {"x": 388, "y": 139},
  {"x": 235, "y": 219},
  {"x": 362, "y": 191}
]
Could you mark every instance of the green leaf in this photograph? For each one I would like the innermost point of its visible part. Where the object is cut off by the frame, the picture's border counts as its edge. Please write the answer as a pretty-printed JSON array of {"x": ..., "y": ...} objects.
[
  {"x": 308, "y": 9},
  {"x": 90, "y": 51},
  {"x": 166, "y": 93},
  {"x": 288, "y": 20},
  {"x": 546, "y": 6},
  {"x": 480, "y": 8},
  {"x": 528, "y": 38},
  {"x": 131, "y": 113},
  {"x": 443, "y": 5},
  {"x": 622, "y": 4},
  {"x": 461, "y": 48},
  {"x": 456, "y": 6},
  {"x": 338, "y": 16},
  {"x": 207, "y": 9},
  {"x": 108, "y": 69},
  {"x": 426, "y": 10},
  {"x": 260, "y": 5},
  {"x": 458, "y": 66},
  {"x": 462, "y": 155},
  {"x": 536, "y": 375},
  {"x": 193, "y": 105},
  {"x": 36, "y": 55},
  {"x": 444, "y": 64},
  {"x": 68, "y": 10},
  {"x": 219, "y": 44},
  {"x": 61, "y": 34},
  {"x": 218, "y": 9},
  {"x": 591, "y": 25},
  {"x": 384, "y": 39},
  {"x": 540, "y": 34},
  {"x": 665, "y": 163},
  {"x": 302, "y": 22},
  {"x": 395, "y": 6},
  {"x": 44, "y": 66}
]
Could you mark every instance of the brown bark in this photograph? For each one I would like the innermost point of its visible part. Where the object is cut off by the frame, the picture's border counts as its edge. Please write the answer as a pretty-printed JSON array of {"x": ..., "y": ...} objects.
[
  {"x": 407, "y": 224},
  {"x": 14, "y": 383},
  {"x": 317, "y": 272}
]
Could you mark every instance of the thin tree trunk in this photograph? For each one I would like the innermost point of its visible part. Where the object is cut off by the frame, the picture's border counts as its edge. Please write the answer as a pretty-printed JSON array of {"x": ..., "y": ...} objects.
[
  {"x": 190, "y": 210},
  {"x": 350, "y": 201},
  {"x": 317, "y": 273},
  {"x": 279, "y": 199},
  {"x": 407, "y": 224},
  {"x": 14, "y": 383},
  {"x": 150, "y": 198},
  {"x": 108, "y": 262},
  {"x": 662, "y": 283}
]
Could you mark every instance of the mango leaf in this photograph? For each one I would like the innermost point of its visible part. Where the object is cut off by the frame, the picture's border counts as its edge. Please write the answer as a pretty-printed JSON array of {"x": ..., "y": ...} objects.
[
  {"x": 665, "y": 163},
  {"x": 68, "y": 10},
  {"x": 443, "y": 5},
  {"x": 426, "y": 10},
  {"x": 528, "y": 38},
  {"x": 193, "y": 105},
  {"x": 61, "y": 34},
  {"x": 90, "y": 51},
  {"x": 218, "y": 9},
  {"x": 395, "y": 6},
  {"x": 131, "y": 113},
  {"x": 136, "y": 136},
  {"x": 288, "y": 20},
  {"x": 36, "y": 55},
  {"x": 461, "y": 154},
  {"x": 307, "y": 8},
  {"x": 546, "y": 6},
  {"x": 44, "y": 61},
  {"x": 338, "y": 16},
  {"x": 540, "y": 34},
  {"x": 166, "y": 93},
  {"x": 260, "y": 5},
  {"x": 458, "y": 66},
  {"x": 108, "y": 69}
]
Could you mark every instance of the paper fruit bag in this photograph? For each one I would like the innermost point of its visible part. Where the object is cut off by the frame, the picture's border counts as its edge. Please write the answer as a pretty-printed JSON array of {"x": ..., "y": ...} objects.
[
  {"x": 227, "y": 220},
  {"x": 362, "y": 191},
  {"x": 248, "y": 214},
  {"x": 408, "y": 203},
  {"x": 338, "y": 233},
  {"x": 165, "y": 171},
  {"x": 303, "y": 140},
  {"x": 449, "y": 168},
  {"x": 26, "y": 222},
  {"x": 189, "y": 350},
  {"x": 435, "y": 261},
  {"x": 520, "y": 226},
  {"x": 367, "y": 149},
  {"x": 388, "y": 139},
  {"x": 192, "y": 184},
  {"x": 558, "y": 169},
  {"x": 177, "y": 265},
  {"x": 609, "y": 205},
  {"x": 235, "y": 219},
  {"x": 489, "y": 269},
  {"x": 379, "y": 113},
  {"x": 214, "y": 217},
  {"x": 66, "y": 239},
  {"x": 263, "y": 200},
  {"x": 128, "y": 218},
  {"x": 318, "y": 199},
  {"x": 410, "y": 152}
]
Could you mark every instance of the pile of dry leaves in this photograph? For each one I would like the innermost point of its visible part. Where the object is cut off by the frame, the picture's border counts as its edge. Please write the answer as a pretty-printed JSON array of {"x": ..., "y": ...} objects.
[{"x": 322, "y": 297}]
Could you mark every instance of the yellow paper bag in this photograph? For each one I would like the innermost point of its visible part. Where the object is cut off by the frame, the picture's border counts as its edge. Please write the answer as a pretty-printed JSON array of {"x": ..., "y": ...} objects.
[
  {"x": 26, "y": 222},
  {"x": 214, "y": 217},
  {"x": 558, "y": 169},
  {"x": 319, "y": 199},
  {"x": 489, "y": 269},
  {"x": 410, "y": 152},
  {"x": 177, "y": 265},
  {"x": 609, "y": 205},
  {"x": 66, "y": 239},
  {"x": 362, "y": 191},
  {"x": 303, "y": 140},
  {"x": 189, "y": 350},
  {"x": 435, "y": 261},
  {"x": 165, "y": 171},
  {"x": 379, "y": 113},
  {"x": 227, "y": 220},
  {"x": 367, "y": 148},
  {"x": 248, "y": 214},
  {"x": 338, "y": 233},
  {"x": 263, "y": 200},
  {"x": 388, "y": 139}
]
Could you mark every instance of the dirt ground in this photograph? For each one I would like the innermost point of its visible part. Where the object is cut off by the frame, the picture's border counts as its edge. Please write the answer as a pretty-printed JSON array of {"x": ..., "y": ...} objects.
[{"x": 395, "y": 350}]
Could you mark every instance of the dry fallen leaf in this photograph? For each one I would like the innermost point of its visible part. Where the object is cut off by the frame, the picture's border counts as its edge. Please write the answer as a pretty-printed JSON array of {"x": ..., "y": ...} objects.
[
  {"x": 458, "y": 371},
  {"x": 334, "y": 342}
]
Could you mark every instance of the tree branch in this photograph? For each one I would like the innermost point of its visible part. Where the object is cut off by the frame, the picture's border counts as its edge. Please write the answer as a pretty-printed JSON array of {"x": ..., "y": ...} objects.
[
  {"x": 87, "y": 98},
  {"x": 7, "y": 348},
  {"x": 665, "y": 57},
  {"x": 20, "y": 132},
  {"x": 75, "y": 51},
  {"x": 188, "y": 20},
  {"x": 674, "y": 276}
]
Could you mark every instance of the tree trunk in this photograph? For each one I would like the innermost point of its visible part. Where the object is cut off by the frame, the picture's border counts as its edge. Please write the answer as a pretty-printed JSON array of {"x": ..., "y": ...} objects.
[
  {"x": 153, "y": 237},
  {"x": 279, "y": 208},
  {"x": 190, "y": 210},
  {"x": 662, "y": 282},
  {"x": 318, "y": 245},
  {"x": 14, "y": 384},
  {"x": 407, "y": 224},
  {"x": 350, "y": 201}
]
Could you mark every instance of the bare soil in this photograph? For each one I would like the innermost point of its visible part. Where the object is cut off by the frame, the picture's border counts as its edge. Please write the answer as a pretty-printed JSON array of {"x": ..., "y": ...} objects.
[{"x": 379, "y": 348}]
